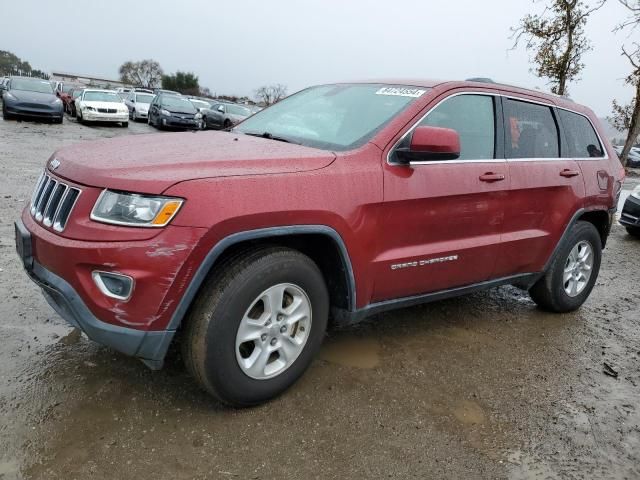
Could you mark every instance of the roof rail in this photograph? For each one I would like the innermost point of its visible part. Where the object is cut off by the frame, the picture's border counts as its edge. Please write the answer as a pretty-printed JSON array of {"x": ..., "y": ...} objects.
[{"x": 480, "y": 80}]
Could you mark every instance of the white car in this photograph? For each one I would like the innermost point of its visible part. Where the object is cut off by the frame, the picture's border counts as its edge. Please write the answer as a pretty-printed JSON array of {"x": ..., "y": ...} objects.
[
  {"x": 101, "y": 106},
  {"x": 137, "y": 103}
]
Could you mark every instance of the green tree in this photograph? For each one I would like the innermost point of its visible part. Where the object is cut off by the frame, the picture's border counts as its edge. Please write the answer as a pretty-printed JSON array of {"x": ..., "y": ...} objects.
[
  {"x": 145, "y": 73},
  {"x": 627, "y": 117},
  {"x": 10, "y": 64},
  {"x": 183, "y": 82},
  {"x": 557, "y": 38}
]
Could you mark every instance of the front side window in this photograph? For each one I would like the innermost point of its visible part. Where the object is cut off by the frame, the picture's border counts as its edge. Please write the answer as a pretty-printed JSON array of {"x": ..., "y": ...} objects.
[
  {"x": 531, "y": 130},
  {"x": 472, "y": 116},
  {"x": 582, "y": 141}
]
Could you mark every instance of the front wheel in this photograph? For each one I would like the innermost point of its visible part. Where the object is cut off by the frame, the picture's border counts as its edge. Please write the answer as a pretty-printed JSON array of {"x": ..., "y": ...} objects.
[
  {"x": 125, "y": 124},
  {"x": 256, "y": 325},
  {"x": 573, "y": 271}
]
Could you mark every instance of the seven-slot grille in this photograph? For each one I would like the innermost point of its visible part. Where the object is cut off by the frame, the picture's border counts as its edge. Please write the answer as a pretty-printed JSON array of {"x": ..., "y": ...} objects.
[
  {"x": 107, "y": 110},
  {"x": 52, "y": 202}
]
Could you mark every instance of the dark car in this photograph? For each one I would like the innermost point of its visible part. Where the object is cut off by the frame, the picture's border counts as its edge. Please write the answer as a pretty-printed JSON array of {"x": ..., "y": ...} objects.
[
  {"x": 630, "y": 216},
  {"x": 70, "y": 104},
  {"x": 31, "y": 97},
  {"x": 224, "y": 115},
  {"x": 172, "y": 111}
]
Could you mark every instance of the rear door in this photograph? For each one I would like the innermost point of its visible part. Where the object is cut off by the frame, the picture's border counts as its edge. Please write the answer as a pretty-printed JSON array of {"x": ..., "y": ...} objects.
[
  {"x": 546, "y": 189},
  {"x": 441, "y": 221}
]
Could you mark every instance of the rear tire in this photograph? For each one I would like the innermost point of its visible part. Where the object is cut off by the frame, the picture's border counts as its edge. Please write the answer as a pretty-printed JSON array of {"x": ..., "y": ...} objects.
[
  {"x": 230, "y": 304},
  {"x": 573, "y": 271},
  {"x": 634, "y": 231}
]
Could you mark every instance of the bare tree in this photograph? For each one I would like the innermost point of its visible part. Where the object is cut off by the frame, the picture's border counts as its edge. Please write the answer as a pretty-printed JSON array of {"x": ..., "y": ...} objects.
[
  {"x": 146, "y": 73},
  {"x": 270, "y": 94},
  {"x": 627, "y": 117},
  {"x": 557, "y": 37}
]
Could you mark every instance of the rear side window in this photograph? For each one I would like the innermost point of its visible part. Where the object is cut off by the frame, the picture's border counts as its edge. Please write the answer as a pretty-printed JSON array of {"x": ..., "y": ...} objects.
[
  {"x": 531, "y": 131},
  {"x": 472, "y": 116},
  {"x": 582, "y": 141}
]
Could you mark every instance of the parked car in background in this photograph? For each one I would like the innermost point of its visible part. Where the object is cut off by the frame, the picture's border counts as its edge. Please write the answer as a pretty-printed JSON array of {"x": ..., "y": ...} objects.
[
  {"x": 137, "y": 103},
  {"x": 630, "y": 215},
  {"x": 64, "y": 93},
  {"x": 96, "y": 105},
  {"x": 70, "y": 106},
  {"x": 199, "y": 103},
  {"x": 33, "y": 98},
  {"x": 633, "y": 158},
  {"x": 173, "y": 111},
  {"x": 224, "y": 115},
  {"x": 159, "y": 91}
]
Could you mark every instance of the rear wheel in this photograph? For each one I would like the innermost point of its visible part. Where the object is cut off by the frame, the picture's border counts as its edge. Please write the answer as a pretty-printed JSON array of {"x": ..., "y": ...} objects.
[
  {"x": 634, "y": 231},
  {"x": 572, "y": 273},
  {"x": 256, "y": 325}
]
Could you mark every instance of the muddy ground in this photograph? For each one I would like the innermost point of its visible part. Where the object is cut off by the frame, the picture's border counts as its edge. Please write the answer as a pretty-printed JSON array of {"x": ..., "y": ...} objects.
[{"x": 484, "y": 386}]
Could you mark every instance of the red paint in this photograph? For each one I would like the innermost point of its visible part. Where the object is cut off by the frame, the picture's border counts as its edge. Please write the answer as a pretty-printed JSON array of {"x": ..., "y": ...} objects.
[{"x": 498, "y": 218}]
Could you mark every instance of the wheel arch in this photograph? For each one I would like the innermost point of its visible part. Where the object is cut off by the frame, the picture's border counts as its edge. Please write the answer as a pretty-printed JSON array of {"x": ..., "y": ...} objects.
[
  {"x": 600, "y": 220},
  {"x": 321, "y": 243}
]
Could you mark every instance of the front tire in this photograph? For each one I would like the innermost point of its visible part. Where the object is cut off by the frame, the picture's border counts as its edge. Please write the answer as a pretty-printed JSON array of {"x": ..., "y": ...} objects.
[
  {"x": 125, "y": 124},
  {"x": 256, "y": 325},
  {"x": 573, "y": 271}
]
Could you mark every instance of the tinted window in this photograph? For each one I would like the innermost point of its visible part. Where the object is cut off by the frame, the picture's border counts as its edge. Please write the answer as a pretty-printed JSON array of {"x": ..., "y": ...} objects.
[
  {"x": 531, "y": 131},
  {"x": 472, "y": 116},
  {"x": 582, "y": 141}
]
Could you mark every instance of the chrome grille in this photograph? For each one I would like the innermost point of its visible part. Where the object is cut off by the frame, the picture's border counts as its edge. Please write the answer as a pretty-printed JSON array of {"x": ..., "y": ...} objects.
[{"x": 52, "y": 202}]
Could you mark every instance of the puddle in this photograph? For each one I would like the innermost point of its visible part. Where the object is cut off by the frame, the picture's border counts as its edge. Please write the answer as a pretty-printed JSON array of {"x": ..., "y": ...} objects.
[
  {"x": 469, "y": 413},
  {"x": 352, "y": 351}
]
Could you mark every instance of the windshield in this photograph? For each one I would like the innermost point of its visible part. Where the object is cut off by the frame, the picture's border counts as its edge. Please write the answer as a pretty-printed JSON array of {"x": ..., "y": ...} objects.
[
  {"x": 173, "y": 102},
  {"x": 335, "y": 117},
  {"x": 76, "y": 93},
  {"x": 200, "y": 104},
  {"x": 144, "y": 98},
  {"x": 31, "y": 85},
  {"x": 67, "y": 88},
  {"x": 101, "y": 97},
  {"x": 238, "y": 110}
]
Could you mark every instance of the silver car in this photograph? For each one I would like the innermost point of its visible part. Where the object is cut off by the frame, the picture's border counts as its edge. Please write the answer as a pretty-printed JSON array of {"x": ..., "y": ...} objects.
[
  {"x": 224, "y": 115},
  {"x": 138, "y": 104}
]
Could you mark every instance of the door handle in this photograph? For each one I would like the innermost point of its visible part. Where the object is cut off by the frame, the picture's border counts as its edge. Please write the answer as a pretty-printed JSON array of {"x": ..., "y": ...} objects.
[
  {"x": 567, "y": 173},
  {"x": 491, "y": 177}
]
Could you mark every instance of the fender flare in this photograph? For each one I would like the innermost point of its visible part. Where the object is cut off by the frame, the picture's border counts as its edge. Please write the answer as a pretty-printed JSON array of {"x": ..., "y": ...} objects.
[{"x": 222, "y": 245}]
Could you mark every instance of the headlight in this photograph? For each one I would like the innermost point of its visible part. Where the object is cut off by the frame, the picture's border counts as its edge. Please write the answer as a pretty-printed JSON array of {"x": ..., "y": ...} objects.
[
  {"x": 88, "y": 108},
  {"x": 198, "y": 116},
  {"x": 10, "y": 96},
  {"x": 57, "y": 101},
  {"x": 636, "y": 192},
  {"x": 135, "y": 210},
  {"x": 165, "y": 112}
]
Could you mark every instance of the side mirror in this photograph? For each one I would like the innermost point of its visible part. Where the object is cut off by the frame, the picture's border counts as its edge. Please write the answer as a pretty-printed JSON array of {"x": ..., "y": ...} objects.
[
  {"x": 221, "y": 109},
  {"x": 430, "y": 143}
]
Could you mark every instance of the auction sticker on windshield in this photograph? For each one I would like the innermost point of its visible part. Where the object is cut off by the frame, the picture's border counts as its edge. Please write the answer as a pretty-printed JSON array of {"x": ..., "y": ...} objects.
[{"x": 400, "y": 92}]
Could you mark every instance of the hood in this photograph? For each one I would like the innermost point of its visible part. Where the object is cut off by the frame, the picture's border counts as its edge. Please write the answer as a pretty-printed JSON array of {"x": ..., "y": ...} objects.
[
  {"x": 152, "y": 163},
  {"x": 142, "y": 107},
  {"x": 179, "y": 111},
  {"x": 33, "y": 97},
  {"x": 118, "y": 105}
]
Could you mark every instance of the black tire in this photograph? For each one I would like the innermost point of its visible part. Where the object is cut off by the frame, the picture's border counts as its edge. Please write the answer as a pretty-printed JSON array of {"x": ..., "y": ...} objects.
[
  {"x": 5, "y": 114},
  {"x": 634, "y": 231},
  {"x": 209, "y": 343},
  {"x": 204, "y": 123},
  {"x": 59, "y": 120},
  {"x": 549, "y": 292},
  {"x": 79, "y": 117},
  {"x": 131, "y": 117},
  {"x": 227, "y": 124},
  {"x": 125, "y": 124}
]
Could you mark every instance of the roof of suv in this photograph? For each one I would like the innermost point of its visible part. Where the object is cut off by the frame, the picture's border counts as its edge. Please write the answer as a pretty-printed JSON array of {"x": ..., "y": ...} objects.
[{"x": 482, "y": 84}]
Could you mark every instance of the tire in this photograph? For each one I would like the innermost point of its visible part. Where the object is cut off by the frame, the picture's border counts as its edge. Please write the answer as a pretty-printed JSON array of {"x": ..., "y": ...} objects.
[
  {"x": 132, "y": 115},
  {"x": 79, "y": 116},
  {"x": 227, "y": 124},
  {"x": 204, "y": 123},
  {"x": 125, "y": 124},
  {"x": 634, "y": 231},
  {"x": 550, "y": 291},
  {"x": 59, "y": 120},
  {"x": 5, "y": 114},
  {"x": 233, "y": 294}
]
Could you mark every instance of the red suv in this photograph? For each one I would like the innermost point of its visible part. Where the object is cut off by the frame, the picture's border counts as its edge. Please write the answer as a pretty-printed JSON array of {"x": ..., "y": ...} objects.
[{"x": 338, "y": 202}]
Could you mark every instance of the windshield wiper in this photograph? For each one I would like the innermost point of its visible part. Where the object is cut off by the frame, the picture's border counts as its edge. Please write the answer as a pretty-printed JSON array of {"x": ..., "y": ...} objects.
[{"x": 269, "y": 136}]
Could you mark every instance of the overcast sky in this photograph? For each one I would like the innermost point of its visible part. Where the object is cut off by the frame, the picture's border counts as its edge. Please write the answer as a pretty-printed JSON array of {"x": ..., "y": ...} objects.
[{"x": 236, "y": 46}]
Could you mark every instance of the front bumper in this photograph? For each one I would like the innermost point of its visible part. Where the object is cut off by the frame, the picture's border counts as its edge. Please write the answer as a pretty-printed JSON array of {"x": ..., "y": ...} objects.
[
  {"x": 630, "y": 216},
  {"x": 34, "y": 112},
  {"x": 90, "y": 116},
  {"x": 173, "y": 122},
  {"x": 61, "y": 267}
]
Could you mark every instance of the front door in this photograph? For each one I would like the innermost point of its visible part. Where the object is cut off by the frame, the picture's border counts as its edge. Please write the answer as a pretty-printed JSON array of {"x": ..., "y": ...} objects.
[{"x": 441, "y": 221}]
